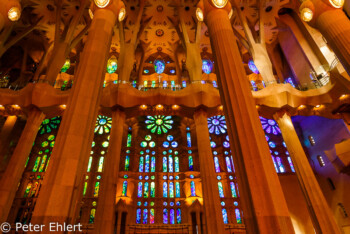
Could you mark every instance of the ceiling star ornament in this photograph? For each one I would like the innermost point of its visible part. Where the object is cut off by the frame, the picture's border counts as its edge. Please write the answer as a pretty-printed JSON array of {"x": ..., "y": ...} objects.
[
  {"x": 219, "y": 3},
  {"x": 159, "y": 123},
  {"x": 101, "y": 3}
]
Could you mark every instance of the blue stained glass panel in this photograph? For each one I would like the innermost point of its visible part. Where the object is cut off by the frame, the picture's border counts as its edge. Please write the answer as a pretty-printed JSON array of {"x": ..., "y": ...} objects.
[
  {"x": 165, "y": 189},
  {"x": 238, "y": 216},
  {"x": 171, "y": 189},
  {"x": 153, "y": 164},
  {"x": 141, "y": 164},
  {"x": 224, "y": 216},
  {"x": 217, "y": 166},
  {"x": 145, "y": 191},
  {"x": 125, "y": 187},
  {"x": 172, "y": 216},
  {"x": 233, "y": 189},
  {"x": 138, "y": 216},
  {"x": 190, "y": 163},
  {"x": 171, "y": 168},
  {"x": 139, "y": 190},
  {"x": 145, "y": 216},
  {"x": 177, "y": 168},
  {"x": 147, "y": 163},
  {"x": 189, "y": 143},
  {"x": 165, "y": 216},
  {"x": 177, "y": 188},
  {"x": 193, "y": 189},
  {"x": 178, "y": 216},
  {"x": 221, "y": 190},
  {"x": 228, "y": 164}
]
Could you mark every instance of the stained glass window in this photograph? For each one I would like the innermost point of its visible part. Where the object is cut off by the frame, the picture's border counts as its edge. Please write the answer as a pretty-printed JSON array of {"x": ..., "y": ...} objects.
[
  {"x": 92, "y": 216},
  {"x": 207, "y": 66},
  {"x": 274, "y": 163},
  {"x": 238, "y": 216},
  {"x": 177, "y": 169},
  {"x": 171, "y": 189},
  {"x": 189, "y": 143},
  {"x": 141, "y": 164},
  {"x": 178, "y": 216},
  {"x": 139, "y": 190},
  {"x": 233, "y": 189},
  {"x": 177, "y": 188},
  {"x": 165, "y": 189},
  {"x": 270, "y": 126},
  {"x": 165, "y": 216},
  {"x": 147, "y": 163},
  {"x": 145, "y": 191},
  {"x": 125, "y": 187},
  {"x": 151, "y": 216},
  {"x": 159, "y": 66},
  {"x": 165, "y": 164},
  {"x": 103, "y": 124},
  {"x": 193, "y": 189},
  {"x": 172, "y": 216},
  {"x": 252, "y": 67},
  {"x": 97, "y": 188},
  {"x": 145, "y": 218},
  {"x": 171, "y": 168},
  {"x": 49, "y": 124},
  {"x": 221, "y": 190},
  {"x": 184, "y": 84},
  {"x": 112, "y": 65},
  {"x": 291, "y": 164},
  {"x": 190, "y": 163},
  {"x": 128, "y": 142},
  {"x": 217, "y": 124},
  {"x": 153, "y": 190},
  {"x": 280, "y": 165},
  {"x": 228, "y": 164},
  {"x": 127, "y": 162},
  {"x": 159, "y": 123},
  {"x": 138, "y": 216},
  {"x": 153, "y": 164},
  {"x": 217, "y": 166},
  {"x": 100, "y": 164},
  {"x": 224, "y": 215}
]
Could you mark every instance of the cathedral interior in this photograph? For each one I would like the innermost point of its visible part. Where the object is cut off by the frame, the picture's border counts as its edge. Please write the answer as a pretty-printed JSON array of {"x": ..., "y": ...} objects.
[{"x": 175, "y": 116}]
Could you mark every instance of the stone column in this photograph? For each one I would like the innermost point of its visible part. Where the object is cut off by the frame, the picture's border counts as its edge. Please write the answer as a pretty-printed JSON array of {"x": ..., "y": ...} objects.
[
  {"x": 320, "y": 212},
  {"x": 105, "y": 214},
  {"x": 58, "y": 200},
  {"x": 334, "y": 26},
  {"x": 264, "y": 206},
  {"x": 211, "y": 199},
  {"x": 5, "y": 138},
  {"x": 14, "y": 170}
]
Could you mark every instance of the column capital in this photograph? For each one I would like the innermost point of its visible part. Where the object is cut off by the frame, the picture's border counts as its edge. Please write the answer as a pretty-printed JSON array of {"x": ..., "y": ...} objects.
[
  {"x": 280, "y": 113},
  {"x": 114, "y": 6},
  {"x": 209, "y": 7}
]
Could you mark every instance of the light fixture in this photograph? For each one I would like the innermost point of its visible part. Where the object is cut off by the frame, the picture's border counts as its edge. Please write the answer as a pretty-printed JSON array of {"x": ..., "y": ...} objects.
[
  {"x": 343, "y": 97},
  {"x": 91, "y": 14},
  {"x": 63, "y": 106},
  {"x": 143, "y": 107},
  {"x": 122, "y": 14},
  {"x": 199, "y": 14},
  {"x": 219, "y": 3},
  {"x": 101, "y": 3},
  {"x": 1, "y": 106},
  {"x": 301, "y": 107},
  {"x": 16, "y": 106},
  {"x": 221, "y": 107},
  {"x": 336, "y": 3},
  {"x": 159, "y": 107},
  {"x": 175, "y": 107},
  {"x": 14, "y": 14},
  {"x": 306, "y": 14}
]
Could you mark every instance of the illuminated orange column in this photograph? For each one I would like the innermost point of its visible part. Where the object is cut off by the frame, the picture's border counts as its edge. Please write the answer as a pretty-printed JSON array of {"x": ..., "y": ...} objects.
[
  {"x": 5, "y": 138},
  {"x": 14, "y": 170},
  {"x": 264, "y": 206},
  {"x": 58, "y": 200},
  {"x": 105, "y": 214},
  {"x": 211, "y": 200},
  {"x": 334, "y": 26},
  {"x": 320, "y": 212}
]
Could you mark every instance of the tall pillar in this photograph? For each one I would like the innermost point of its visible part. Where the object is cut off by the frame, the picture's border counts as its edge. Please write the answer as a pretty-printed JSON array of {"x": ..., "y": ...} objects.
[
  {"x": 58, "y": 200},
  {"x": 264, "y": 206},
  {"x": 14, "y": 170},
  {"x": 211, "y": 199},
  {"x": 320, "y": 212},
  {"x": 334, "y": 26},
  {"x": 105, "y": 214},
  {"x": 5, "y": 138}
]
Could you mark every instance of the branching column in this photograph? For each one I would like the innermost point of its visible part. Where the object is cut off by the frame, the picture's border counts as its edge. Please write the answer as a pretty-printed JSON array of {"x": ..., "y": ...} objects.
[
  {"x": 16, "y": 166},
  {"x": 105, "y": 215},
  {"x": 5, "y": 137},
  {"x": 321, "y": 214},
  {"x": 264, "y": 206},
  {"x": 211, "y": 199},
  {"x": 59, "y": 195}
]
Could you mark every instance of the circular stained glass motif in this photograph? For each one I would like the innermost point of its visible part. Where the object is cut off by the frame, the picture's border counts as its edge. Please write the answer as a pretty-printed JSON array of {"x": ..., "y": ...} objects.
[
  {"x": 235, "y": 203},
  {"x": 212, "y": 144},
  {"x": 190, "y": 151},
  {"x": 141, "y": 152},
  {"x": 171, "y": 177},
  {"x": 231, "y": 177},
  {"x": 165, "y": 177},
  {"x": 148, "y": 137},
  {"x": 177, "y": 177},
  {"x": 165, "y": 203},
  {"x": 128, "y": 151},
  {"x": 218, "y": 177},
  {"x": 171, "y": 203},
  {"x": 223, "y": 203},
  {"x": 284, "y": 144},
  {"x": 145, "y": 204},
  {"x": 159, "y": 66},
  {"x": 159, "y": 123},
  {"x": 103, "y": 124},
  {"x": 51, "y": 137},
  {"x": 170, "y": 138},
  {"x": 152, "y": 203},
  {"x": 217, "y": 124},
  {"x": 48, "y": 124},
  {"x": 178, "y": 203},
  {"x": 287, "y": 153},
  {"x": 270, "y": 126},
  {"x": 153, "y": 152},
  {"x": 176, "y": 152},
  {"x": 267, "y": 138},
  {"x": 140, "y": 177},
  {"x": 174, "y": 144},
  {"x": 44, "y": 144},
  {"x": 147, "y": 150},
  {"x": 272, "y": 144},
  {"x": 215, "y": 153},
  {"x": 146, "y": 177},
  {"x": 152, "y": 177},
  {"x": 207, "y": 66},
  {"x": 170, "y": 151},
  {"x": 164, "y": 152},
  {"x": 226, "y": 144},
  {"x": 52, "y": 144},
  {"x": 191, "y": 176},
  {"x": 165, "y": 144},
  {"x": 139, "y": 203},
  {"x": 143, "y": 144},
  {"x": 105, "y": 144},
  {"x": 227, "y": 139},
  {"x": 276, "y": 153},
  {"x": 226, "y": 152},
  {"x": 152, "y": 144}
]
